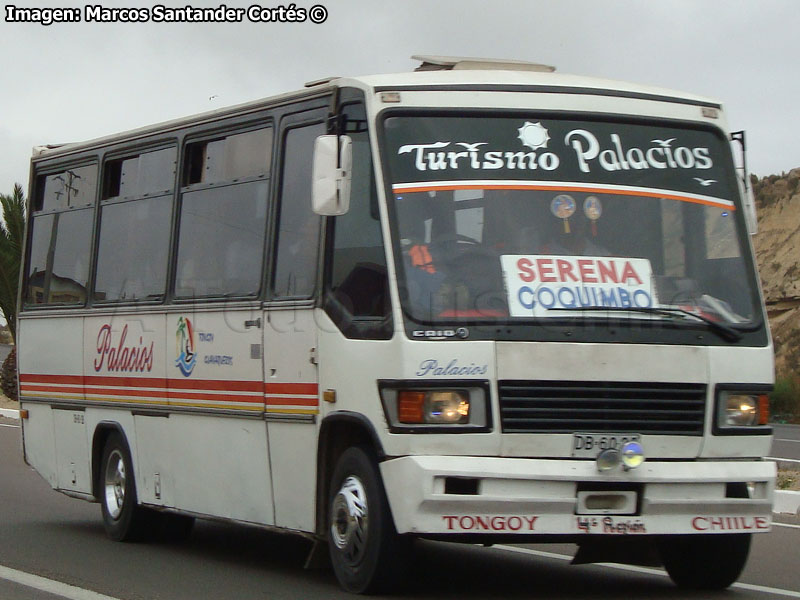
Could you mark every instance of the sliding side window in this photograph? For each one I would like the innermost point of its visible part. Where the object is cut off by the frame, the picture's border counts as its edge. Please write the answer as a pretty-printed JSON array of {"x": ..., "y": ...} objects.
[
  {"x": 135, "y": 225},
  {"x": 59, "y": 238},
  {"x": 223, "y": 216}
]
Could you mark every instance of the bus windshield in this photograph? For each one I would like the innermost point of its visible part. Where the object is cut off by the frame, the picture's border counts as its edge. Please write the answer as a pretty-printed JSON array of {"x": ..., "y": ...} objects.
[{"x": 504, "y": 219}]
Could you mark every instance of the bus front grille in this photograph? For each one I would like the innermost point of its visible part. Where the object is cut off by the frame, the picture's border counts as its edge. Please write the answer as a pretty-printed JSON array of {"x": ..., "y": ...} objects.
[{"x": 567, "y": 407}]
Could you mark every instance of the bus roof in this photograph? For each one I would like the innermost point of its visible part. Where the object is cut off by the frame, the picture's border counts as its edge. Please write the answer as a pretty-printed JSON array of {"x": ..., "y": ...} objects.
[
  {"x": 524, "y": 80},
  {"x": 481, "y": 78}
]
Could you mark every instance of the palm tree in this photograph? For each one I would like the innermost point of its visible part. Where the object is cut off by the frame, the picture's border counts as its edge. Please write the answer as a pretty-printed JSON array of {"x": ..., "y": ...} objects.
[{"x": 12, "y": 232}]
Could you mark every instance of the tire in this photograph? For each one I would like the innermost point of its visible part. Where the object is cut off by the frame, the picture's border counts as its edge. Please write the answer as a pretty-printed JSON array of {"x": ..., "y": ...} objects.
[
  {"x": 367, "y": 554},
  {"x": 705, "y": 562},
  {"x": 123, "y": 518}
]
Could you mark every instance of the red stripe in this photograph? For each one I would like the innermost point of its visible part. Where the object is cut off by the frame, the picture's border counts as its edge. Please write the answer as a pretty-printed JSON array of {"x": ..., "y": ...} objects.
[
  {"x": 165, "y": 394},
  {"x": 222, "y": 385},
  {"x": 292, "y": 388},
  {"x": 31, "y": 378},
  {"x": 173, "y": 388},
  {"x": 61, "y": 389},
  {"x": 146, "y": 382}
]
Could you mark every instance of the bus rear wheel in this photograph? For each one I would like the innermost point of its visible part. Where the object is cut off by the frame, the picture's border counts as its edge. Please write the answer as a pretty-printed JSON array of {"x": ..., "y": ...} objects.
[
  {"x": 124, "y": 520},
  {"x": 367, "y": 553},
  {"x": 705, "y": 562}
]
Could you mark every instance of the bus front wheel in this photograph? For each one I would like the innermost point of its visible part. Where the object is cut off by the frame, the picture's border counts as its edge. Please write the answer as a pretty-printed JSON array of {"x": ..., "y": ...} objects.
[
  {"x": 365, "y": 549},
  {"x": 705, "y": 562}
]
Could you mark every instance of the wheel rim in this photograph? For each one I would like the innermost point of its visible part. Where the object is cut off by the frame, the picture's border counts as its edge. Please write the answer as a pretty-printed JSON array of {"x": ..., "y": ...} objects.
[
  {"x": 115, "y": 484},
  {"x": 350, "y": 520}
]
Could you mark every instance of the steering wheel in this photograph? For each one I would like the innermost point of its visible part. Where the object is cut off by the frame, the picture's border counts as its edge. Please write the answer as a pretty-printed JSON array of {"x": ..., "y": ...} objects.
[{"x": 465, "y": 239}]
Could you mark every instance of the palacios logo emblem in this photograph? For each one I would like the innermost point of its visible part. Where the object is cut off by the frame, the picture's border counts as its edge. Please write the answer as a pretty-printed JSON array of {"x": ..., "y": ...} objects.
[{"x": 185, "y": 347}]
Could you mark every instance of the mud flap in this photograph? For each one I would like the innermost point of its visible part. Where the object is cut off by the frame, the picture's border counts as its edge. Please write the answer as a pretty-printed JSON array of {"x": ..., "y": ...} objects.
[{"x": 318, "y": 557}]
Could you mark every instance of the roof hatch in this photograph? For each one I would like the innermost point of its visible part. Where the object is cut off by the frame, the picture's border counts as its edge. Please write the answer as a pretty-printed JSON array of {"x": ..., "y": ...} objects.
[{"x": 452, "y": 63}]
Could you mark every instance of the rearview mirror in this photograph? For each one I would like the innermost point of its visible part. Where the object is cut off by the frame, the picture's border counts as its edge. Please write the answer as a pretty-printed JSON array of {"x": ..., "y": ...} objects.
[
  {"x": 333, "y": 159},
  {"x": 745, "y": 186}
]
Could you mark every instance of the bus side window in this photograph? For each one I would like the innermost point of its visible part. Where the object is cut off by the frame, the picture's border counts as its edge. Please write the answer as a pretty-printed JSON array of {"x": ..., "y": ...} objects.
[
  {"x": 357, "y": 286},
  {"x": 223, "y": 215},
  {"x": 60, "y": 237},
  {"x": 135, "y": 226},
  {"x": 298, "y": 228}
]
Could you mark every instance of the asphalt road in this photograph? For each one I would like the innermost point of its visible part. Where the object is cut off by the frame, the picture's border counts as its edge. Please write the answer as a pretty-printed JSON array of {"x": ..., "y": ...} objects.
[
  {"x": 786, "y": 442},
  {"x": 61, "y": 541}
]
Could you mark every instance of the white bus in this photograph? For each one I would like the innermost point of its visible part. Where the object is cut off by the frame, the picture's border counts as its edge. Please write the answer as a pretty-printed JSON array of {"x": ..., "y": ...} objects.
[{"x": 481, "y": 302}]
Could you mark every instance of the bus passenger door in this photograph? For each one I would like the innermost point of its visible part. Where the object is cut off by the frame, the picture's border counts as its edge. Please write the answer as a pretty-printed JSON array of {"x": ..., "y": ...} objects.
[
  {"x": 219, "y": 454},
  {"x": 290, "y": 332}
]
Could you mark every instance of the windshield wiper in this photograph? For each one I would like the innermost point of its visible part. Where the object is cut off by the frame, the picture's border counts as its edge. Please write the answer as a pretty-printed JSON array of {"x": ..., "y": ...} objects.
[{"x": 725, "y": 331}]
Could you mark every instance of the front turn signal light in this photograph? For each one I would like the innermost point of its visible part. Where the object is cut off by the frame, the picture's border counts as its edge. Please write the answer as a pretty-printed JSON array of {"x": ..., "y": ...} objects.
[{"x": 410, "y": 405}]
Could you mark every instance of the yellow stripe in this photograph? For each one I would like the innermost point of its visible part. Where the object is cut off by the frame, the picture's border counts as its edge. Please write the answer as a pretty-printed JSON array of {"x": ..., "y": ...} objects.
[
  {"x": 126, "y": 401},
  {"x": 293, "y": 411},
  {"x": 256, "y": 408}
]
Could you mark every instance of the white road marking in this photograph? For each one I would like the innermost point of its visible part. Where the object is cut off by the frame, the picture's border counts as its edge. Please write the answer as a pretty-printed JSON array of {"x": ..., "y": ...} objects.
[
  {"x": 51, "y": 586},
  {"x": 791, "y": 460},
  {"x": 4, "y": 425},
  {"x": 647, "y": 570},
  {"x": 785, "y": 440},
  {"x": 774, "y": 524}
]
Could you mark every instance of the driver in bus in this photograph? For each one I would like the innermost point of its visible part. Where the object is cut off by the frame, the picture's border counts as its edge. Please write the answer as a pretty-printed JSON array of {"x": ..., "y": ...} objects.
[{"x": 423, "y": 275}]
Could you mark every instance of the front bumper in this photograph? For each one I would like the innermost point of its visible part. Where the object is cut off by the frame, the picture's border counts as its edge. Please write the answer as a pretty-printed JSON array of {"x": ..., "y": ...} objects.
[{"x": 500, "y": 496}]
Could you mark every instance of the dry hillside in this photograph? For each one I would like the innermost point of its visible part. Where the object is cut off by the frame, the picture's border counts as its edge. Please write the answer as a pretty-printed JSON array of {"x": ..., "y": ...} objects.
[{"x": 777, "y": 246}]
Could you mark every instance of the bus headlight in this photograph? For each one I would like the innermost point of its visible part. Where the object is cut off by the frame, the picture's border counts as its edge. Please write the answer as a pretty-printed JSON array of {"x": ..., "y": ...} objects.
[
  {"x": 430, "y": 408},
  {"x": 739, "y": 410}
]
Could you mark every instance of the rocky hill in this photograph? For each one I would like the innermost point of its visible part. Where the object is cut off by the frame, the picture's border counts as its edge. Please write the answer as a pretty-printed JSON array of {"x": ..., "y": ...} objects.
[{"x": 777, "y": 246}]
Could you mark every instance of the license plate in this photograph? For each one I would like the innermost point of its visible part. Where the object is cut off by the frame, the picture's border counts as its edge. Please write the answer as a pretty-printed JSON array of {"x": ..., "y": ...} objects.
[{"x": 589, "y": 445}]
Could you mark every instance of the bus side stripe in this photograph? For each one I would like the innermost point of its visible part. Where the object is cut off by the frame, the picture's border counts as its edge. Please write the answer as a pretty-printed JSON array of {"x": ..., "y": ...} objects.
[{"x": 286, "y": 397}]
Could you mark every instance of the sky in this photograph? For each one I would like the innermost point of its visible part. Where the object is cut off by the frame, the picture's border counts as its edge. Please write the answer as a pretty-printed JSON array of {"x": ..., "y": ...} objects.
[{"x": 69, "y": 82}]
